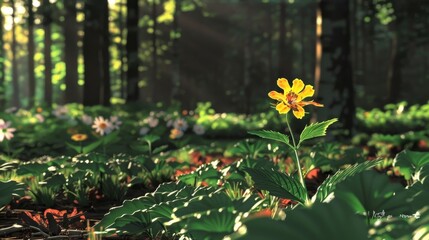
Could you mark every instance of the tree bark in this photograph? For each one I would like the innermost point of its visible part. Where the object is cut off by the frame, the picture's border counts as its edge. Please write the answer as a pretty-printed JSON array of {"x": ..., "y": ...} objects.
[
  {"x": 339, "y": 87},
  {"x": 132, "y": 50},
  {"x": 176, "y": 56},
  {"x": 72, "y": 93},
  {"x": 92, "y": 90},
  {"x": 30, "y": 48},
  {"x": 15, "y": 79},
  {"x": 2, "y": 60},
  {"x": 105, "y": 55},
  {"x": 154, "y": 48},
  {"x": 47, "y": 20},
  {"x": 284, "y": 55}
]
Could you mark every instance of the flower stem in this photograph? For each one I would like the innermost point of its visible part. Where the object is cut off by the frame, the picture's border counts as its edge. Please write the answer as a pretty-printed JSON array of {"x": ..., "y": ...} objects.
[{"x": 295, "y": 150}]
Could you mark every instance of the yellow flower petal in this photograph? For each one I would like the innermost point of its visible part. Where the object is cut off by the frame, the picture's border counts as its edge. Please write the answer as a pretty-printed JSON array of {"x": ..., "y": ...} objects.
[
  {"x": 276, "y": 96},
  {"x": 282, "y": 108},
  {"x": 283, "y": 84},
  {"x": 307, "y": 92},
  {"x": 297, "y": 85},
  {"x": 299, "y": 112}
]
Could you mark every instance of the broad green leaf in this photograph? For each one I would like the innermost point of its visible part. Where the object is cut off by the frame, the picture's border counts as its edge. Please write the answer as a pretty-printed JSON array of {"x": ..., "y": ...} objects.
[
  {"x": 76, "y": 148},
  {"x": 322, "y": 221},
  {"x": 278, "y": 184},
  {"x": 150, "y": 138},
  {"x": 272, "y": 135},
  {"x": 315, "y": 130},
  {"x": 129, "y": 207},
  {"x": 200, "y": 204},
  {"x": 163, "y": 200},
  {"x": 35, "y": 169},
  {"x": 371, "y": 193},
  {"x": 8, "y": 190},
  {"x": 134, "y": 224},
  {"x": 206, "y": 172},
  {"x": 328, "y": 186},
  {"x": 410, "y": 162},
  {"x": 211, "y": 225},
  {"x": 92, "y": 146}
]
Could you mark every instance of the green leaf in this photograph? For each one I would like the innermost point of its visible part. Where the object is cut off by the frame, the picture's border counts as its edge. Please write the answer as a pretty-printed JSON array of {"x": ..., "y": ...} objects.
[
  {"x": 315, "y": 130},
  {"x": 278, "y": 184},
  {"x": 410, "y": 162},
  {"x": 150, "y": 138},
  {"x": 210, "y": 225},
  {"x": 164, "y": 193},
  {"x": 371, "y": 192},
  {"x": 76, "y": 148},
  {"x": 91, "y": 147},
  {"x": 328, "y": 186},
  {"x": 8, "y": 190},
  {"x": 206, "y": 172},
  {"x": 272, "y": 135},
  {"x": 35, "y": 169},
  {"x": 321, "y": 221}
]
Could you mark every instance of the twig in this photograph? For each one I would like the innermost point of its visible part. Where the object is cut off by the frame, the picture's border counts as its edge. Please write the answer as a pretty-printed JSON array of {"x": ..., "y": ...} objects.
[{"x": 12, "y": 229}]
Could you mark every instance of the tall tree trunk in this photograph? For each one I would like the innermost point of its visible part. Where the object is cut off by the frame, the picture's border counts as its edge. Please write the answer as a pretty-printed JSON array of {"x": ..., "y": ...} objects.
[
  {"x": 15, "y": 80},
  {"x": 92, "y": 90},
  {"x": 30, "y": 46},
  {"x": 318, "y": 56},
  {"x": 121, "y": 50},
  {"x": 176, "y": 56},
  {"x": 132, "y": 50},
  {"x": 2, "y": 60},
  {"x": 105, "y": 56},
  {"x": 154, "y": 48},
  {"x": 282, "y": 39},
  {"x": 337, "y": 77},
  {"x": 72, "y": 93},
  {"x": 47, "y": 20}
]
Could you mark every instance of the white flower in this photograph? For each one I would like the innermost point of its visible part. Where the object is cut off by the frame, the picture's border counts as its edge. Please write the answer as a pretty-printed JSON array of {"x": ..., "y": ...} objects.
[
  {"x": 61, "y": 112},
  {"x": 114, "y": 120},
  {"x": 181, "y": 124},
  {"x": 4, "y": 124},
  {"x": 86, "y": 119},
  {"x": 39, "y": 117},
  {"x": 102, "y": 126},
  {"x": 199, "y": 129},
  {"x": 144, "y": 130},
  {"x": 5, "y": 131},
  {"x": 152, "y": 121}
]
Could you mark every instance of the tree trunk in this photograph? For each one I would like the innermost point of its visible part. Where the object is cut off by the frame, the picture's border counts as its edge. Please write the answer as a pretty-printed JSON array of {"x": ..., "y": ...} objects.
[
  {"x": 105, "y": 56},
  {"x": 15, "y": 79},
  {"x": 92, "y": 90},
  {"x": 2, "y": 60},
  {"x": 72, "y": 93},
  {"x": 154, "y": 48},
  {"x": 121, "y": 50},
  {"x": 30, "y": 46},
  {"x": 47, "y": 20},
  {"x": 337, "y": 77},
  {"x": 132, "y": 50},
  {"x": 176, "y": 57},
  {"x": 282, "y": 39}
]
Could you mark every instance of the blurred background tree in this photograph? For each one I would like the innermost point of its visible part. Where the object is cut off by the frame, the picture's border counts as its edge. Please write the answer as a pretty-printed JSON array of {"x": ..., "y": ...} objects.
[{"x": 362, "y": 53}]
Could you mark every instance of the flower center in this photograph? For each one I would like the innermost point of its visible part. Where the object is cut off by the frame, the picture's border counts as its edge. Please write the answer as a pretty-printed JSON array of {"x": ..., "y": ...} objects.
[
  {"x": 291, "y": 98},
  {"x": 103, "y": 125}
]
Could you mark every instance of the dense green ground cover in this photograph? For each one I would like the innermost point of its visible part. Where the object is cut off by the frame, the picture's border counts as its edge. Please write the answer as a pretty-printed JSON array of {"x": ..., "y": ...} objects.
[{"x": 174, "y": 174}]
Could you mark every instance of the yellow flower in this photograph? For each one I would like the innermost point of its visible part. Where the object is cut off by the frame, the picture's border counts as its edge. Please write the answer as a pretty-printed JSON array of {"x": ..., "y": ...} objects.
[
  {"x": 292, "y": 98},
  {"x": 79, "y": 137}
]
